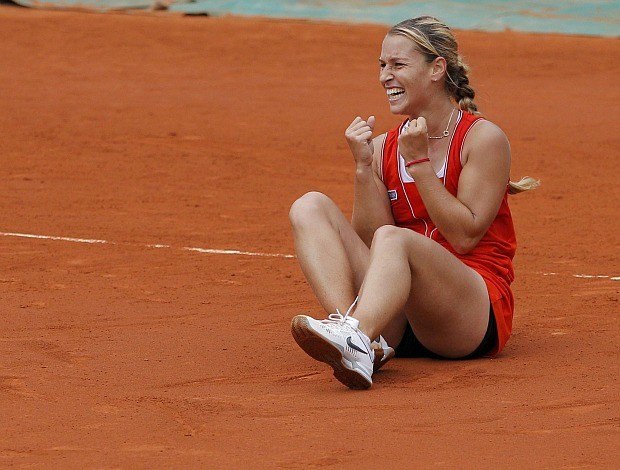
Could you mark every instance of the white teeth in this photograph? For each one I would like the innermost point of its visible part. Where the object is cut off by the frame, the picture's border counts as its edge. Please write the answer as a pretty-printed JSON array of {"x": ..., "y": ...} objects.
[{"x": 394, "y": 91}]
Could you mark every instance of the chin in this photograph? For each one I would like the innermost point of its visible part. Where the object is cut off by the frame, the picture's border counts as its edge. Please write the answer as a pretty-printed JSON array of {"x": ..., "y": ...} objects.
[{"x": 398, "y": 109}]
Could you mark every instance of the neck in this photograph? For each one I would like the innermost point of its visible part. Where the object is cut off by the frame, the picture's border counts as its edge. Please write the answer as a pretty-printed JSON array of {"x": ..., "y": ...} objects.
[
  {"x": 437, "y": 115},
  {"x": 440, "y": 122}
]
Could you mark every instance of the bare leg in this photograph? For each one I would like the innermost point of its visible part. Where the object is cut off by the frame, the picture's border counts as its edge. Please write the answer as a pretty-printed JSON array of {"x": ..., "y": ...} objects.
[
  {"x": 332, "y": 256},
  {"x": 446, "y": 302}
]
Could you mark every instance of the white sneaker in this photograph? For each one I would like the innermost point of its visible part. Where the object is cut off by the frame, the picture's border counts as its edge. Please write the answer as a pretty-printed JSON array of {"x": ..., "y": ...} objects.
[
  {"x": 383, "y": 353},
  {"x": 338, "y": 342}
]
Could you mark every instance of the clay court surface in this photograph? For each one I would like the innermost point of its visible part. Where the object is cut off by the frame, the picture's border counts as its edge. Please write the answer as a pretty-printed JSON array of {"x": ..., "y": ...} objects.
[{"x": 143, "y": 130}]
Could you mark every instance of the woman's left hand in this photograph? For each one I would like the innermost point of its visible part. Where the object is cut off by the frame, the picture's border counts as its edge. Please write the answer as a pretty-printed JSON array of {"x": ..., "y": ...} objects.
[{"x": 413, "y": 141}]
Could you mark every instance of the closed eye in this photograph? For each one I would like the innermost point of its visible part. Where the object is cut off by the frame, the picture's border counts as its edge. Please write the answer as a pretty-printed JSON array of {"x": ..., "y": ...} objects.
[{"x": 395, "y": 65}]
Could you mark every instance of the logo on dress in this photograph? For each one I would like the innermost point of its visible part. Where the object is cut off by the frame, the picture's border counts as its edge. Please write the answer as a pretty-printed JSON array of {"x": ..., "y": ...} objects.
[{"x": 392, "y": 194}]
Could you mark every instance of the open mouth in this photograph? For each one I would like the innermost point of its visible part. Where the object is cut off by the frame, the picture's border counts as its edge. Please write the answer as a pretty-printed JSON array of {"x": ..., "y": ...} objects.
[{"x": 394, "y": 93}]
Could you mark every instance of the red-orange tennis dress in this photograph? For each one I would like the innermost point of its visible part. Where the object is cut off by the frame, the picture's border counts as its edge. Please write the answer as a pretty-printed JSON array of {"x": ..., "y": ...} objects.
[{"x": 492, "y": 256}]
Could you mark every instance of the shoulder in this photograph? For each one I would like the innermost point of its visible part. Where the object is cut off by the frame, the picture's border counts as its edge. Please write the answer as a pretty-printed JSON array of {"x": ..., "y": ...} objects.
[
  {"x": 483, "y": 131},
  {"x": 378, "y": 141},
  {"x": 485, "y": 139},
  {"x": 387, "y": 138},
  {"x": 377, "y": 160}
]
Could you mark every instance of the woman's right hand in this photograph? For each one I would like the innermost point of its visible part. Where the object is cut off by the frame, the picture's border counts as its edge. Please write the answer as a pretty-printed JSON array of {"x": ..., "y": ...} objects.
[{"x": 359, "y": 138}]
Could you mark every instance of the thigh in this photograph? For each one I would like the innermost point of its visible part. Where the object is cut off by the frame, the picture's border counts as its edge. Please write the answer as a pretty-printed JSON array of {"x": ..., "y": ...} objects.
[
  {"x": 358, "y": 253},
  {"x": 410, "y": 345},
  {"x": 448, "y": 306},
  {"x": 313, "y": 213}
]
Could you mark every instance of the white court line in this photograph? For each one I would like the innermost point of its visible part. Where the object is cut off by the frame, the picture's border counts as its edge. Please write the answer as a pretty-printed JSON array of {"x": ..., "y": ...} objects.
[
  {"x": 587, "y": 276},
  {"x": 598, "y": 276},
  {"x": 225, "y": 252},
  {"x": 106, "y": 242},
  {"x": 50, "y": 237},
  {"x": 236, "y": 252}
]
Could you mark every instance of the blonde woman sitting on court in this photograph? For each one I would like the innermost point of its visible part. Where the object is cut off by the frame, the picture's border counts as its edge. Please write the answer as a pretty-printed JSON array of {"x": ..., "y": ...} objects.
[{"x": 424, "y": 267}]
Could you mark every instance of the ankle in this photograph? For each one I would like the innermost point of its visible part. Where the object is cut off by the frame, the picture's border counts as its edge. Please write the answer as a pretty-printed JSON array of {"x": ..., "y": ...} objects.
[{"x": 362, "y": 326}]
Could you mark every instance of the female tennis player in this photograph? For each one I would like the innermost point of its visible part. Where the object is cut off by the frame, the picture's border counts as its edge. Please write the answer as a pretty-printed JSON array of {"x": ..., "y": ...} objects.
[{"x": 425, "y": 265}]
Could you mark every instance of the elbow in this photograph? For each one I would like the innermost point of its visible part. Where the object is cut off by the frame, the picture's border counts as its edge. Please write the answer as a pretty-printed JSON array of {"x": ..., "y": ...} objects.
[
  {"x": 465, "y": 244},
  {"x": 467, "y": 236},
  {"x": 367, "y": 232},
  {"x": 462, "y": 248}
]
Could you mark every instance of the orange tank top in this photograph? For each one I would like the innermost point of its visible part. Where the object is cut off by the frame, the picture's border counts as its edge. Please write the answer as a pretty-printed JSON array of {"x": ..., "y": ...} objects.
[{"x": 492, "y": 257}]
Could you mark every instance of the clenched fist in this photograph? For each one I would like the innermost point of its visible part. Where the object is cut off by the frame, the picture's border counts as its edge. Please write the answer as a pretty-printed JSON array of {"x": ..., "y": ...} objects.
[
  {"x": 359, "y": 138},
  {"x": 413, "y": 141}
]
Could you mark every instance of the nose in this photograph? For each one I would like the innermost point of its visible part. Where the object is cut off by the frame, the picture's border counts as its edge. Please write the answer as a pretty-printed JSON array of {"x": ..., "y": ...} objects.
[{"x": 385, "y": 75}]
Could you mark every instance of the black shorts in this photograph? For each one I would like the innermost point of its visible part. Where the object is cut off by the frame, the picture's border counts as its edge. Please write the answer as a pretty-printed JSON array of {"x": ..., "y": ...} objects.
[{"x": 410, "y": 346}]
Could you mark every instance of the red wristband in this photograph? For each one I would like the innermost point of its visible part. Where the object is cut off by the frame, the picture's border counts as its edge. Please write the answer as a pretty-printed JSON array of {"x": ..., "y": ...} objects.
[{"x": 413, "y": 162}]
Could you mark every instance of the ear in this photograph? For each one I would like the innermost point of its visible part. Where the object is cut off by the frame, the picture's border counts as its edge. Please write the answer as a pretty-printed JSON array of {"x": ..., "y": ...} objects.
[{"x": 438, "y": 68}]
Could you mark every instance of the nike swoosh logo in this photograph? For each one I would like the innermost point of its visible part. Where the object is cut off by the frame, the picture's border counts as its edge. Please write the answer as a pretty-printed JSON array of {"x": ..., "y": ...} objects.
[{"x": 355, "y": 346}]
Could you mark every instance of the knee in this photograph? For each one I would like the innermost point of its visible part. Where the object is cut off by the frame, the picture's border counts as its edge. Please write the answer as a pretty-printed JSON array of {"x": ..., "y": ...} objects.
[
  {"x": 309, "y": 208},
  {"x": 387, "y": 234},
  {"x": 393, "y": 237}
]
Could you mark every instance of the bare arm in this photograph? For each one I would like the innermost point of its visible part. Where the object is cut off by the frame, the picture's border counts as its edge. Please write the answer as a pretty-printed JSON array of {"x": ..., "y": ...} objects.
[
  {"x": 371, "y": 206},
  {"x": 463, "y": 220}
]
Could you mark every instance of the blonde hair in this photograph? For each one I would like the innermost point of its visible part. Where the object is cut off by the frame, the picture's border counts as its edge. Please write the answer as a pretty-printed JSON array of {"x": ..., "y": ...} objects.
[
  {"x": 524, "y": 184},
  {"x": 434, "y": 39}
]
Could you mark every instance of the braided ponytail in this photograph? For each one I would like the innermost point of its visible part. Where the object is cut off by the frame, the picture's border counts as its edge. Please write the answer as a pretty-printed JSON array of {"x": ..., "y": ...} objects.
[
  {"x": 434, "y": 39},
  {"x": 461, "y": 90}
]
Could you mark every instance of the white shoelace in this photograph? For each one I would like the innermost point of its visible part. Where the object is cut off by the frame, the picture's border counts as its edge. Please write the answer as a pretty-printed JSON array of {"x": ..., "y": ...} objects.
[{"x": 338, "y": 317}]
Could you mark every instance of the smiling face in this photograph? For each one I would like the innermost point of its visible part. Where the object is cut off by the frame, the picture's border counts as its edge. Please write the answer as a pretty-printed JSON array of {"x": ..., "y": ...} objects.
[{"x": 405, "y": 75}]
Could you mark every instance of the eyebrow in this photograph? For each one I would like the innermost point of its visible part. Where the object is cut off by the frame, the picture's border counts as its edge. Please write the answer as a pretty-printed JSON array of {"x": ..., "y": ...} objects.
[{"x": 394, "y": 59}]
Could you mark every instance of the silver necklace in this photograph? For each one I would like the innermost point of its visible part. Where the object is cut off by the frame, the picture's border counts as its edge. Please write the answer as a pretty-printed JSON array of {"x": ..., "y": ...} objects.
[{"x": 445, "y": 133}]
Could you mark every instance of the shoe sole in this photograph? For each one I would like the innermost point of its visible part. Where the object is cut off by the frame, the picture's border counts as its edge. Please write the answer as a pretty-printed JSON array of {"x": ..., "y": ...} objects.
[{"x": 322, "y": 350}]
